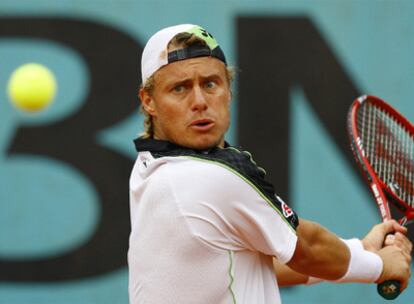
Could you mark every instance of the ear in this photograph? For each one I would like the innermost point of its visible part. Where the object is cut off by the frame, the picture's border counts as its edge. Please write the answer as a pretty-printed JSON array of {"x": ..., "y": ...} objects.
[{"x": 147, "y": 102}]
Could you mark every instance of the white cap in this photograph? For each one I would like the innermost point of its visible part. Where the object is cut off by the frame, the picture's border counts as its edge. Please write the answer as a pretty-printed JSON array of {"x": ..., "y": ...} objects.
[{"x": 155, "y": 54}]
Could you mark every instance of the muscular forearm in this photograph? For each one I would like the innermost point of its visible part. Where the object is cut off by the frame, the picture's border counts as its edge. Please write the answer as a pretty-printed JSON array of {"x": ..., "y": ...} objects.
[
  {"x": 286, "y": 276},
  {"x": 319, "y": 253}
]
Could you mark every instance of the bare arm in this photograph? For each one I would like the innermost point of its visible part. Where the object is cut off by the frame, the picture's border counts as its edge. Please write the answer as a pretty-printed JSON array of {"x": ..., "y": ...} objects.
[
  {"x": 315, "y": 240},
  {"x": 319, "y": 252},
  {"x": 396, "y": 258},
  {"x": 286, "y": 276}
]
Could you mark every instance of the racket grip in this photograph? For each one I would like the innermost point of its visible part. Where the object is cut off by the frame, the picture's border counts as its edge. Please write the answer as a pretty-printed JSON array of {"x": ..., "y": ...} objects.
[{"x": 389, "y": 289}]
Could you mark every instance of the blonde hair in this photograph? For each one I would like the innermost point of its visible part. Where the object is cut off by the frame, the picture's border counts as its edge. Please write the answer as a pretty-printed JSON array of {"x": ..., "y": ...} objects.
[{"x": 181, "y": 40}]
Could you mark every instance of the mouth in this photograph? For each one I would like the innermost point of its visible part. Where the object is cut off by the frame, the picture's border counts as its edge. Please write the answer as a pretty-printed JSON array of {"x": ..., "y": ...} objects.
[{"x": 202, "y": 124}]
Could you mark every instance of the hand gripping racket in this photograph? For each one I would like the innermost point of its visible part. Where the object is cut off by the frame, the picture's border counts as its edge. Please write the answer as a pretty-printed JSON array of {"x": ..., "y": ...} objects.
[{"x": 383, "y": 144}]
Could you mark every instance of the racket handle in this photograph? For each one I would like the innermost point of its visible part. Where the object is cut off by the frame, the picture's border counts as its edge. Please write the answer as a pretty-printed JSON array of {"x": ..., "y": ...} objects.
[{"x": 389, "y": 289}]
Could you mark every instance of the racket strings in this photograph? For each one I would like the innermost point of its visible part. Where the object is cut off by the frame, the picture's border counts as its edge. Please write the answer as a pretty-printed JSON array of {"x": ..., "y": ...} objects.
[{"x": 389, "y": 147}]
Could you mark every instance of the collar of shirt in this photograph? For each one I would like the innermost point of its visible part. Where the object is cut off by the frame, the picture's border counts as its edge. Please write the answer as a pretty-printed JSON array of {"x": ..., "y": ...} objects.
[{"x": 156, "y": 145}]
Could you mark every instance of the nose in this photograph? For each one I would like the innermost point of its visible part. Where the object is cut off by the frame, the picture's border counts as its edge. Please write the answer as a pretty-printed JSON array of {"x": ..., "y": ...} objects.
[{"x": 199, "y": 101}]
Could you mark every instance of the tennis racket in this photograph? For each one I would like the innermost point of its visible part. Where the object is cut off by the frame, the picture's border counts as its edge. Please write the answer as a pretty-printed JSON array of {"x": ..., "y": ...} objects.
[{"x": 382, "y": 141}]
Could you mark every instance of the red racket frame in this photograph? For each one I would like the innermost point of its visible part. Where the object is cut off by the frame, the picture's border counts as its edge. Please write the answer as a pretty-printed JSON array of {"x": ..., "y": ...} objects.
[{"x": 382, "y": 193}]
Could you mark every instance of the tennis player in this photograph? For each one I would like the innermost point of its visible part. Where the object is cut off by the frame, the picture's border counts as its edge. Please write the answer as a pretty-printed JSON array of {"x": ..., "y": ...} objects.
[{"x": 206, "y": 226}]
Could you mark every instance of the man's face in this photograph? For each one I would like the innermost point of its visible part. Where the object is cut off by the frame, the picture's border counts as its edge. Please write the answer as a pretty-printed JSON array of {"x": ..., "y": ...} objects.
[{"x": 190, "y": 104}]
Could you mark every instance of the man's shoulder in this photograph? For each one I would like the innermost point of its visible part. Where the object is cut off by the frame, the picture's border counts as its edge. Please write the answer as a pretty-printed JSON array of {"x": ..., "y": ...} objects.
[
  {"x": 193, "y": 165},
  {"x": 194, "y": 170}
]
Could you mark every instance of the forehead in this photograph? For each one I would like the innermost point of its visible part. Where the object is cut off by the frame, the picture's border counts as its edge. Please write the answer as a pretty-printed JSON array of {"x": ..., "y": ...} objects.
[{"x": 191, "y": 68}]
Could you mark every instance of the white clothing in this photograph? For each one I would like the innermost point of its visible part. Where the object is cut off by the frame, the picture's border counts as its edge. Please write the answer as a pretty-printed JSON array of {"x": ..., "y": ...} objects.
[{"x": 202, "y": 233}]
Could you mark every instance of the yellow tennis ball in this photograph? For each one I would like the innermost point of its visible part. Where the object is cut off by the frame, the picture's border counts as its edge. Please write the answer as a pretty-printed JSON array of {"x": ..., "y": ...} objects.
[{"x": 32, "y": 87}]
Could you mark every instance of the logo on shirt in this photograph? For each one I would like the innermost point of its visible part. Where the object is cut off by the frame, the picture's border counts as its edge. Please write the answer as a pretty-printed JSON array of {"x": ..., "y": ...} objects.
[{"x": 287, "y": 212}]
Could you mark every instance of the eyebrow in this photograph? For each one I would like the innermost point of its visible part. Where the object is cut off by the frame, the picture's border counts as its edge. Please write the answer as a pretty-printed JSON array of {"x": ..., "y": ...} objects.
[
  {"x": 210, "y": 76},
  {"x": 190, "y": 79},
  {"x": 180, "y": 82}
]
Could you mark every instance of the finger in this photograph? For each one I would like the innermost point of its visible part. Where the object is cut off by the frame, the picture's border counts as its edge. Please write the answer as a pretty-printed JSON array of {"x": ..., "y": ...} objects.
[
  {"x": 388, "y": 226},
  {"x": 407, "y": 257},
  {"x": 406, "y": 254},
  {"x": 398, "y": 228},
  {"x": 404, "y": 277},
  {"x": 401, "y": 238},
  {"x": 407, "y": 280},
  {"x": 409, "y": 244},
  {"x": 392, "y": 226},
  {"x": 389, "y": 240},
  {"x": 402, "y": 242},
  {"x": 404, "y": 285}
]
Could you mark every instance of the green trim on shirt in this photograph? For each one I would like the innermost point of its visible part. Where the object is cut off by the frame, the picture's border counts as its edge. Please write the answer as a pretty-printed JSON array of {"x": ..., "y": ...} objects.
[
  {"x": 248, "y": 182},
  {"x": 231, "y": 274}
]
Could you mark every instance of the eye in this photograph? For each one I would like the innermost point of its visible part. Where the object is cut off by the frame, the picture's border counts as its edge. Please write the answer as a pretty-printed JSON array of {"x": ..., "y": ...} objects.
[
  {"x": 179, "y": 89},
  {"x": 210, "y": 84}
]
